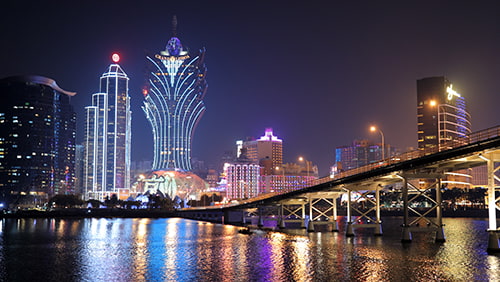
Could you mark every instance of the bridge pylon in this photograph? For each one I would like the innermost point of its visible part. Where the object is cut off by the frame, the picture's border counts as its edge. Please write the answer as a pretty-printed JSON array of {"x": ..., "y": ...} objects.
[
  {"x": 367, "y": 207},
  {"x": 422, "y": 191},
  {"x": 493, "y": 201},
  {"x": 310, "y": 210}
]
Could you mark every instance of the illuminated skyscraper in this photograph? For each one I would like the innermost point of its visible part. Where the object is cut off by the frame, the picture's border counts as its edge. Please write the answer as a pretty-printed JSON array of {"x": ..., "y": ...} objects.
[
  {"x": 441, "y": 113},
  {"x": 442, "y": 117},
  {"x": 107, "y": 137},
  {"x": 266, "y": 147},
  {"x": 242, "y": 176},
  {"x": 173, "y": 102},
  {"x": 37, "y": 140}
]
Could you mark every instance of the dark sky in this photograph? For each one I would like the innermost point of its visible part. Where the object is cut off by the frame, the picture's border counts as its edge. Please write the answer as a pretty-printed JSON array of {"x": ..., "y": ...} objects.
[{"x": 317, "y": 72}]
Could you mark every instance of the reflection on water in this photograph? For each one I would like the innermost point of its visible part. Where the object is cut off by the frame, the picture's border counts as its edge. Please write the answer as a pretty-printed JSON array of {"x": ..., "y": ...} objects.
[{"x": 185, "y": 250}]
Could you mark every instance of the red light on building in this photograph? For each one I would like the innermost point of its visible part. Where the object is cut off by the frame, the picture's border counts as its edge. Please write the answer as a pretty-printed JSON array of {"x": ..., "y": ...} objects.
[{"x": 115, "y": 58}]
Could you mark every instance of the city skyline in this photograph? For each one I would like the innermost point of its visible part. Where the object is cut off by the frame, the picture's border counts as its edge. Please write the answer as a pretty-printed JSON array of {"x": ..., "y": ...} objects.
[{"x": 319, "y": 75}]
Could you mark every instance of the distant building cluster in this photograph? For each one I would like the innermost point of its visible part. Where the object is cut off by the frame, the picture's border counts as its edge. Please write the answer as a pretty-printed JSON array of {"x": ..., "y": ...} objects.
[
  {"x": 39, "y": 157},
  {"x": 360, "y": 153},
  {"x": 258, "y": 169}
]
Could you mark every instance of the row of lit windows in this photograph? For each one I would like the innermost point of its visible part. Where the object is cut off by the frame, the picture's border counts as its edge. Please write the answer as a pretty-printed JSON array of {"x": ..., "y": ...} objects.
[{"x": 23, "y": 107}]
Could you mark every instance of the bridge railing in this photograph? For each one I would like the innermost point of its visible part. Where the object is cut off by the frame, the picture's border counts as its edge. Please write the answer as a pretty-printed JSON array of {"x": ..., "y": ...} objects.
[{"x": 410, "y": 155}]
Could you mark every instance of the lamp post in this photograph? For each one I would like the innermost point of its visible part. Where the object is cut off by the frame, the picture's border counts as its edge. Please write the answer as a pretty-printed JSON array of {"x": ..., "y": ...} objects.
[
  {"x": 373, "y": 129},
  {"x": 301, "y": 159}
]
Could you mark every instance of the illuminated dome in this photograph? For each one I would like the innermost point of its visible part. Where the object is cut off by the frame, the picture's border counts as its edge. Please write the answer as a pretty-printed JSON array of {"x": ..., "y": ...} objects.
[
  {"x": 184, "y": 184},
  {"x": 174, "y": 46}
]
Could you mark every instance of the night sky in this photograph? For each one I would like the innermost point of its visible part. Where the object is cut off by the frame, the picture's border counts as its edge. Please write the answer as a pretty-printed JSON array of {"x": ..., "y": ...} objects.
[{"x": 319, "y": 72}]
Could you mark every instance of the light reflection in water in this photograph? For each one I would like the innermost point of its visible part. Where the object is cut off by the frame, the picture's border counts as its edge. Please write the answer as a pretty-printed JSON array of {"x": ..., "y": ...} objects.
[
  {"x": 140, "y": 249},
  {"x": 184, "y": 250}
]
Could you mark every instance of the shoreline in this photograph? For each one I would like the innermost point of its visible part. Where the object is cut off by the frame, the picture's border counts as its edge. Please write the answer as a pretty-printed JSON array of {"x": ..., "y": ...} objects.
[{"x": 138, "y": 213}]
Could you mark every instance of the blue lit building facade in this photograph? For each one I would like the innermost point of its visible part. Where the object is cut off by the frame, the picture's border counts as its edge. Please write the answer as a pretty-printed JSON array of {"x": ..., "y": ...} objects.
[
  {"x": 108, "y": 138},
  {"x": 442, "y": 117},
  {"x": 441, "y": 113},
  {"x": 37, "y": 141},
  {"x": 173, "y": 103},
  {"x": 360, "y": 153}
]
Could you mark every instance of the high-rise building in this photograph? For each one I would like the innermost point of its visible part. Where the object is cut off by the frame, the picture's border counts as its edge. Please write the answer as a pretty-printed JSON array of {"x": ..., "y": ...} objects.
[
  {"x": 79, "y": 164},
  {"x": 107, "y": 137},
  {"x": 442, "y": 117},
  {"x": 173, "y": 102},
  {"x": 268, "y": 147},
  {"x": 37, "y": 141},
  {"x": 242, "y": 176},
  {"x": 441, "y": 113}
]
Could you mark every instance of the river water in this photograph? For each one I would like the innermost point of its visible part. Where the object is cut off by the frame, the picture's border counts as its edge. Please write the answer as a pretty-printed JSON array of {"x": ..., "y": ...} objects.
[{"x": 173, "y": 249}]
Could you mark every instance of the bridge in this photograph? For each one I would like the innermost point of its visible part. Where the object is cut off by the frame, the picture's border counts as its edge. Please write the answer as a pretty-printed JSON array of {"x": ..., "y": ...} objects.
[{"x": 414, "y": 175}]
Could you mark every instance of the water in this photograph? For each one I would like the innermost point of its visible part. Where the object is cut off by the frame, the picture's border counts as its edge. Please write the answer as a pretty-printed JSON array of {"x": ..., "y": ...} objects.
[{"x": 175, "y": 249}]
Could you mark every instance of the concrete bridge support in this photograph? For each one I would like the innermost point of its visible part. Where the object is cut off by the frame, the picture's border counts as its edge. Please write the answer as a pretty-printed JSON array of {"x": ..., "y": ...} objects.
[
  {"x": 493, "y": 202},
  {"x": 323, "y": 210},
  {"x": 292, "y": 211},
  {"x": 368, "y": 209},
  {"x": 310, "y": 224},
  {"x": 432, "y": 180},
  {"x": 349, "y": 232},
  {"x": 406, "y": 232}
]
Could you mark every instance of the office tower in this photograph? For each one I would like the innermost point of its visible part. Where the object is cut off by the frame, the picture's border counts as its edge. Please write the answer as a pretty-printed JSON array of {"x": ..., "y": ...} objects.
[
  {"x": 267, "y": 146},
  {"x": 37, "y": 141},
  {"x": 441, "y": 113},
  {"x": 107, "y": 137},
  {"x": 173, "y": 102}
]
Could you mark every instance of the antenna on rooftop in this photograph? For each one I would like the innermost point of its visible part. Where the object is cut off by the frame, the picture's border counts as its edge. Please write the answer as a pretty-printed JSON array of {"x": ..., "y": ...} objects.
[{"x": 174, "y": 26}]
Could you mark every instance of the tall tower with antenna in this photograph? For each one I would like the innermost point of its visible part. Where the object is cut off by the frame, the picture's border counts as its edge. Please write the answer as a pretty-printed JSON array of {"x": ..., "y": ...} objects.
[
  {"x": 107, "y": 137},
  {"x": 173, "y": 101}
]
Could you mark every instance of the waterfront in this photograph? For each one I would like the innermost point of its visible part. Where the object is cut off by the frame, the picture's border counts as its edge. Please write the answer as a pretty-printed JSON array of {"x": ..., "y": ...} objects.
[{"x": 173, "y": 249}]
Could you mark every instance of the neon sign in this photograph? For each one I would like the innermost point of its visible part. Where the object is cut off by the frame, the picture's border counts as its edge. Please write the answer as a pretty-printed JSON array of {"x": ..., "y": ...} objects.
[
  {"x": 451, "y": 93},
  {"x": 172, "y": 58}
]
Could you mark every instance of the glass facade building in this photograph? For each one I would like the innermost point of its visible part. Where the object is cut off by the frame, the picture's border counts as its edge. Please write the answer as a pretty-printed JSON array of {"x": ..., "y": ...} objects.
[
  {"x": 37, "y": 141},
  {"x": 173, "y": 103},
  {"x": 107, "y": 138},
  {"x": 442, "y": 117},
  {"x": 441, "y": 113}
]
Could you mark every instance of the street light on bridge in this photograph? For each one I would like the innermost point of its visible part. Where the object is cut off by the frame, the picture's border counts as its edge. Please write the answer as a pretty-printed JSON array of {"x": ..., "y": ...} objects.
[
  {"x": 434, "y": 103},
  {"x": 301, "y": 159},
  {"x": 373, "y": 129}
]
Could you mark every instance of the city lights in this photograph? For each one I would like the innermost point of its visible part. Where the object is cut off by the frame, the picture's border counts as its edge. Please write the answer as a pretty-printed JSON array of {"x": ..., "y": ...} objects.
[{"x": 173, "y": 104}]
